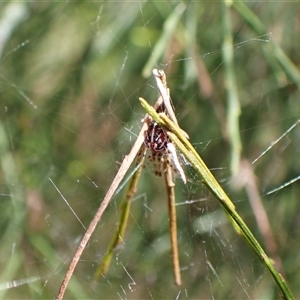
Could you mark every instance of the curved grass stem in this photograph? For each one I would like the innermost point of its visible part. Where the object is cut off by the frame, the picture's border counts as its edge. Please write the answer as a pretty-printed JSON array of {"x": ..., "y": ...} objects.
[{"x": 189, "y": 152}]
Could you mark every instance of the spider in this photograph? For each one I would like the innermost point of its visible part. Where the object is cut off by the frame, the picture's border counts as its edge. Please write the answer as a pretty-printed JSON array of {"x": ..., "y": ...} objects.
[
  {"x": 156, "y": 139},
  {"x": 162, "y": 149}
]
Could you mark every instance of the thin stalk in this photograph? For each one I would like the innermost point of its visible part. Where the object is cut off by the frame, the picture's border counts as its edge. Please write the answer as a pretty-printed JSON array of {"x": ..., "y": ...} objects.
[
  {"x": 161, "y": 45},
  {"x": 233, "y": 103},
  {"x": 172, "y": 222},
  {"x": 124, "y": 209},
  {"x": 15, "y": 208}
]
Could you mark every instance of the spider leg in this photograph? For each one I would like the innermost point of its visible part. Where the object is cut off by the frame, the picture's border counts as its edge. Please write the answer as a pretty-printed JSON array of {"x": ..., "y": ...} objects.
[{"x": 175, "y": 160}]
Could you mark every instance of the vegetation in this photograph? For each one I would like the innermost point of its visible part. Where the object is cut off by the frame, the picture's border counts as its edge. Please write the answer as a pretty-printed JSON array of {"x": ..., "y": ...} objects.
[{"x": 70, "y": 78}]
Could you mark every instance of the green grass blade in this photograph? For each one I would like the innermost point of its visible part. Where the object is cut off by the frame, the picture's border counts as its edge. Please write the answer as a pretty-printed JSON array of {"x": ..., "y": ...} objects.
[
  {"x": 161, "y": 45},
  {"x": 233, "y": 103},
  {"x": 125, "y": 209},
  {"x": 272, "y": 51}
]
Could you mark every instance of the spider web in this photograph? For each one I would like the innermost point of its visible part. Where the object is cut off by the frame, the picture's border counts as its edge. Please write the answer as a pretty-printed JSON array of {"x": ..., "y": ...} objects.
[{"x": 70, "y": 77}]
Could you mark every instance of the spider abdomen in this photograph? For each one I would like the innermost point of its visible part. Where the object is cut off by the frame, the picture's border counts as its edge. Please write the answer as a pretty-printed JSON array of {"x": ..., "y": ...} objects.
[{"x": 156, "y": 139}]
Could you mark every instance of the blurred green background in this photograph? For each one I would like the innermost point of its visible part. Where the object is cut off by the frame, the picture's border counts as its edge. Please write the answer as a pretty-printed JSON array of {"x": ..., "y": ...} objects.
[{"x": 70, "y": 77}]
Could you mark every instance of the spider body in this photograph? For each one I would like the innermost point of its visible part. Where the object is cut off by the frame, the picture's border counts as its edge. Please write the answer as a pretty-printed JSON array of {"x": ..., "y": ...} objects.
[{"x": 156, "y": 139}]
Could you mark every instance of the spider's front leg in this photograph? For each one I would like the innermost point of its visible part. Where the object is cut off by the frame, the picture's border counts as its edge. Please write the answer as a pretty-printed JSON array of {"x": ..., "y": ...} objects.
[{"x": 176, "y": 162}]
